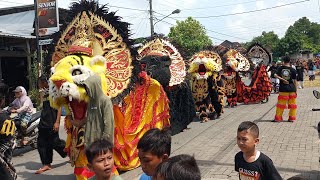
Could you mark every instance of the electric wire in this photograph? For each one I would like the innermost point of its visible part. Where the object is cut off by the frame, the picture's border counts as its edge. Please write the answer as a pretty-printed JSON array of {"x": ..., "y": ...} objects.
[
  {"x": 209, "y": 29},
  {"x": 246, "y": 12},
  {"x": 211, "y": 7},
  {"x": 207, "y": 35}
]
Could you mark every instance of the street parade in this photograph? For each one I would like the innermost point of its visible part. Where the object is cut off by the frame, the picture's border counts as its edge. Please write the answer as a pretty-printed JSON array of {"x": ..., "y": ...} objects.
[{"x": 106, "y": 105}]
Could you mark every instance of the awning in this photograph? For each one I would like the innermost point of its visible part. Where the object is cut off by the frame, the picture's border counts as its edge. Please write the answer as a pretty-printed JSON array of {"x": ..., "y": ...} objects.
[{"x": 17, "y": 25}]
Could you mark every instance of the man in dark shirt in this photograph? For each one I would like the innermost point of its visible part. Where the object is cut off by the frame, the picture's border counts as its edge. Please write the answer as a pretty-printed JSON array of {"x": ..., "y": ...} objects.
[
  {"x": 48, "y": 138},
  {"x": 274, "y": 81},
  {"x": 300, "y": 70},
  {"x": 287, "y": 89}
]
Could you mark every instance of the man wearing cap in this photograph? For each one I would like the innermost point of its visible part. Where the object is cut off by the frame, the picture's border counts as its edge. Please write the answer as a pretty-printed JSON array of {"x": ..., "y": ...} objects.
[{"x": 23, "y": 106}]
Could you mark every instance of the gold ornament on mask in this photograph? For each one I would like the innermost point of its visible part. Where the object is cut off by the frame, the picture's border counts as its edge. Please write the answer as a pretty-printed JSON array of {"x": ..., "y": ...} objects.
[
  {"x": 161, "y": 47},
  {"x": 91, "y": 35}
]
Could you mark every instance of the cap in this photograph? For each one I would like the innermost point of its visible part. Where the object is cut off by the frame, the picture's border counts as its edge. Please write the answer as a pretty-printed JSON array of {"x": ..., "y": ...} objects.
[{"x": 18, "y": 89}]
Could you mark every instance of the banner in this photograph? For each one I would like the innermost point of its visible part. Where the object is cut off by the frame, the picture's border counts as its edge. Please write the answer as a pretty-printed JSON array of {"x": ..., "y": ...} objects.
[{"x": 48, "y": 17}]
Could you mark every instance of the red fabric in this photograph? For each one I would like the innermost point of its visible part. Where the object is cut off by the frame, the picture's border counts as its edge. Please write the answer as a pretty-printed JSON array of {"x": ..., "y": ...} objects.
[
  {"x": 259, "y": 89},
  {"x": 283, "y": 97},
  {"x": 278, "y": 118},
  {"x": 293, "y": 96},
  {"x": 292, "y": 118},
  {"x": 80, "y": 49},
  {"x": 281, "y": 106},
  {"x": 83, "y": 171},
  {"x": 292, "y": 106}
]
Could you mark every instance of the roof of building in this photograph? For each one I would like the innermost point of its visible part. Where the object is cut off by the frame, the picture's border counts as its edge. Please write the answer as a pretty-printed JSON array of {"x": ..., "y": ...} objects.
[
  {"x": 17, "y": 24},
  {"x": 18, "y": 21},
  {"x": 16, "y": 9}
]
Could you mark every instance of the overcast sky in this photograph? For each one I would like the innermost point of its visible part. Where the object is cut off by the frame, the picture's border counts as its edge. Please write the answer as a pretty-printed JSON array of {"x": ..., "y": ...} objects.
[{"x": 214, "y": 15}]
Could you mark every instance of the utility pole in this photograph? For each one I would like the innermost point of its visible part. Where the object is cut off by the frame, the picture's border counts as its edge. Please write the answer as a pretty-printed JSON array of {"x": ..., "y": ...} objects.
[
  {"x": 39, "y": 49},
  {"x": 151, "y": 18}
]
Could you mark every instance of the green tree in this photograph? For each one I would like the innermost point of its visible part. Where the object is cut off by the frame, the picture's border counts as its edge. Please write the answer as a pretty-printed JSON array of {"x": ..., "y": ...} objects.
[
  {"x": 291, "y": 43},
  {"x": 189, "y": 35},
  {"x": 269, "y": 40},
  {"x": 302, "y": 35},
  {"x": 306, "y": 33}
]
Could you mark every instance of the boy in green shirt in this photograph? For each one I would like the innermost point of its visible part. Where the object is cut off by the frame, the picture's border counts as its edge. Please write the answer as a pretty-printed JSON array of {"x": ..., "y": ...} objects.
[{"x": 100, "y": 160}]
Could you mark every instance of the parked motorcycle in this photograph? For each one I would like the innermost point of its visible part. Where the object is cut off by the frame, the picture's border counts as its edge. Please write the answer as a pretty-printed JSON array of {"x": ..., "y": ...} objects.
[
  {"x": 316, "y": 95},
  {"x": 30, "y": 134}
]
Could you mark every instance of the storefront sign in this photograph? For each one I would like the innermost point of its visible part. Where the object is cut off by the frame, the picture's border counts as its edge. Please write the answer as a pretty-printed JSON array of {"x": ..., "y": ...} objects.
[{"x": 48, "y": 17}]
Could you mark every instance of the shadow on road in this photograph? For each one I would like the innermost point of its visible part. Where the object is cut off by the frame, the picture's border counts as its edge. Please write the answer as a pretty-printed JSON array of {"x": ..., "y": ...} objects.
[
  {"x": 308, "y": 175},
  {"x": 27, "y": 175},
  {"x": 35, "y": 165},
  {"x": 21, "y": 151}
]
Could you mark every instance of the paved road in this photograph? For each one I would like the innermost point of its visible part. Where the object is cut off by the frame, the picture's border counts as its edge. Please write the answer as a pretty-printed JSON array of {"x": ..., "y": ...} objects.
[{"x": 294, "y": 147}]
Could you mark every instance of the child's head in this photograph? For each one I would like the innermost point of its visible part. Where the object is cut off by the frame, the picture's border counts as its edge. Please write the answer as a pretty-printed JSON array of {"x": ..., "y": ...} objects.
[
  {"x": 154, "y": 147},
  {"x": 100, "y": 158},
  {"x": 247, "y": 136},
  {"x": 178, "y": 167}
]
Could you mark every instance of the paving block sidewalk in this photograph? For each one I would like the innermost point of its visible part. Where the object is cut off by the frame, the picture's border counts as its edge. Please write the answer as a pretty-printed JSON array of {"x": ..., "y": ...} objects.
[{"x": 293, "y": 147}]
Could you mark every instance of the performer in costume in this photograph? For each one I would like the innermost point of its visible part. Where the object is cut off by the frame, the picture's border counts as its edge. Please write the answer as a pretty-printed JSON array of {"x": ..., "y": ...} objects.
[
  {"x": 96, "y": 42},
  {"x": 260, "y": 86},
  {"x": 207, "y": 86},
  {"x": 163, "y": 62},
  {"x": 146, "y": 107},
  {"x": 287, "y": 91},
  {"x": 90, "y": 57},
  {"x": 235, "y": 65},
  {"x": 235, "y": 62}
]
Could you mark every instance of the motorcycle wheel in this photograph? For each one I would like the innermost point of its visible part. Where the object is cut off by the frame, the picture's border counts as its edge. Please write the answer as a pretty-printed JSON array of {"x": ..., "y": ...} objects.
[{"x": 34, "y": 143}]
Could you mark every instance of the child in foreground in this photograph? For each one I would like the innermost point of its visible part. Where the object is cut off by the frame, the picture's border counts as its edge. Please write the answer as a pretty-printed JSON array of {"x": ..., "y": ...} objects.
[
  {"x": 100, "y": 160},
  {"x": 154, "y": 147},
  {"x": 249, "y": 162},
  {"x": 178, "y": 167}
]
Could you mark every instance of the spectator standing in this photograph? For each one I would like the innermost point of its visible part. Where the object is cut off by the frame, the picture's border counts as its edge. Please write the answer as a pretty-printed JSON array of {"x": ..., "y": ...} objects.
[
  {"x": 249, "y": 162},
  {"x": 300, "y": 71},
  {"x": 48, "y": 139}
]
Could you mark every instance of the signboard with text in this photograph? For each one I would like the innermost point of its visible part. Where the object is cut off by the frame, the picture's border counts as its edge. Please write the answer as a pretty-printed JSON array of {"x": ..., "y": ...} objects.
[
  {"x": 48, "y": 17},
  {"x": 45, "y": 42}
]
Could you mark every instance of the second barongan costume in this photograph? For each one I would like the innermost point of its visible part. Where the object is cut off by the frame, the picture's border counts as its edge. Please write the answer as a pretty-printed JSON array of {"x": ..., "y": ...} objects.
[
  {"x": 163, "y": 62},
  {"x": 206, "y": 84}
]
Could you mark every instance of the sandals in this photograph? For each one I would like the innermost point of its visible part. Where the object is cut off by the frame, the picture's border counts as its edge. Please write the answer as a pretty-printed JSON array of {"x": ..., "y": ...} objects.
[{"x": 43, "y": 169}]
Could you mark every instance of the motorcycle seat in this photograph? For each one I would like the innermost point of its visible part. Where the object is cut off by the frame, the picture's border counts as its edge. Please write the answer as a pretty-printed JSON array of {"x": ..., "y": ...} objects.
[{"x": 34, "y": 117}]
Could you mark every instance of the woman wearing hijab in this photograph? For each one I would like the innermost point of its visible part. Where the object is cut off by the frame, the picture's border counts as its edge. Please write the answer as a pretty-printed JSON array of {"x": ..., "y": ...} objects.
[{"x": 23, "y": 106}]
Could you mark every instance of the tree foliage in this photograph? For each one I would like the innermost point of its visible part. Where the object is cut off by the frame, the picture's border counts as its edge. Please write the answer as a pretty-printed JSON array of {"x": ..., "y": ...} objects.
[
  {"x": 302, "y": 35},
  {"x": 189, "y": 35},
  {"x": 269, "y": 40}
]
